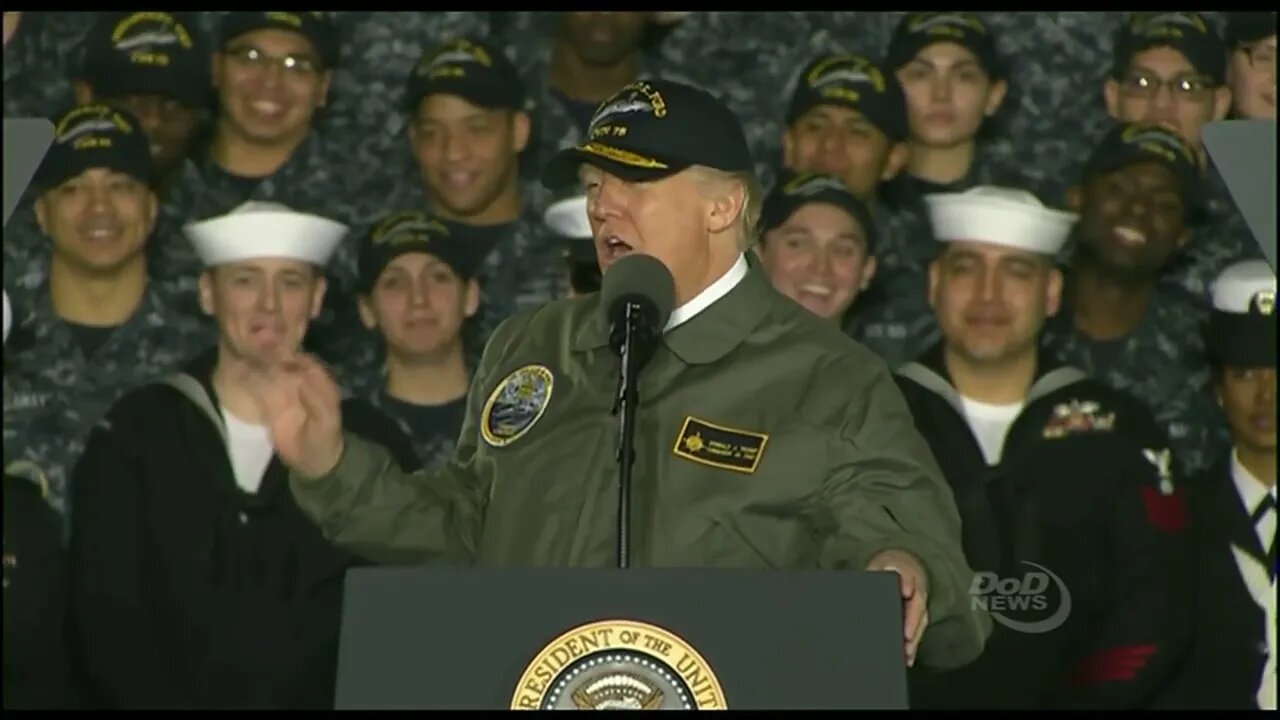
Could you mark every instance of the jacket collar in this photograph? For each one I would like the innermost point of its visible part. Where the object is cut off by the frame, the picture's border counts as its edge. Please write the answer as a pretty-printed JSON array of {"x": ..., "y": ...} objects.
[
  {"x": 930, "y": 371},
  {"x": 712, "y": 333}
]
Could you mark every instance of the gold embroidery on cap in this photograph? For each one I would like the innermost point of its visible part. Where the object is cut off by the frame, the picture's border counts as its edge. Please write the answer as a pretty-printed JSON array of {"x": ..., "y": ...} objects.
[
  {"x": 450, "y": 60},
  {"x": 407, "y": 226},
  {"x": 90, "y": 119},
  {"x": 286, "y": 18},
  {"x": 1158, "y": 141},
  {"x": 622, "y": 156},
  {"x": 944, "y": 24},
  {"x": 858, "y": 70}
]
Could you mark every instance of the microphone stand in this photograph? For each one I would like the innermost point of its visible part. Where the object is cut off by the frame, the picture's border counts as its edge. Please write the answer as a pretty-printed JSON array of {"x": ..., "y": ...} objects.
[{"x": 625, "y": 402}]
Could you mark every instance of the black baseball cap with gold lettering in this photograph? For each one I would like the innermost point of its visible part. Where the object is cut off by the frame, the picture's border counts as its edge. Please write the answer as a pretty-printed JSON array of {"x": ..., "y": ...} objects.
[
  {"x": 409, "y": 231},
  {"x": 472, "y": 69},
  {"x": 95, "y": 136},
  {"x": 148, "y": 53},
  {"x": 855, "y": 82},
  {"x": 1190, "y": 33},
  {"x": 317, "y": 27},
  {"x": 796, "y": 190},
  {"x": 1130, "y": 143},
  {"x": 919, "y": 30},
  {"x": 654, "y": 128}
]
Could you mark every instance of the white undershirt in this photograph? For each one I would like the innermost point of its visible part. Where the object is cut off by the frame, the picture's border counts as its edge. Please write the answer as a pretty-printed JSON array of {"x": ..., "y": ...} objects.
[
  {"x": 712, "y": 293},
  {"x": 990, "y": 424},
  {"x": 250, "y": 449}
]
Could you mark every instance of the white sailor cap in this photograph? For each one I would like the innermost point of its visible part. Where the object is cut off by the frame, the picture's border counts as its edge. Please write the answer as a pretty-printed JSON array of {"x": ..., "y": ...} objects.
[
  {"x": 1000, "y": 216},
  {"x": 1244, "y": 288},
  {"x": 265, "y": 230},
  {"x": 1242, "y": 324},
  {"x": 567, "y": 218}
]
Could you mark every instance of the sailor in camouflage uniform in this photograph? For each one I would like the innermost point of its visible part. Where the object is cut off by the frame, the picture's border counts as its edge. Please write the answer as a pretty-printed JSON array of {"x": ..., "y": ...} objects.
[
  {"x": 848, "y": 117},
  {"x": 153, "y": 65},
  {"x": 379, "y": 50},
  {"x": 751, "y": 59},
  {"x": 99, "y": 327},
  {"x": 954, "y": 83},
  {"x": 1183, "y": 54},
  {"x": 1119, "y": 321},
  {"x": 468, "y": 128},
  {"x": 272, "y": 73},
  {"x": 156, "y": 66},
  {"x": 418, "y": 290},
  {"x": 817, "y": 244}
]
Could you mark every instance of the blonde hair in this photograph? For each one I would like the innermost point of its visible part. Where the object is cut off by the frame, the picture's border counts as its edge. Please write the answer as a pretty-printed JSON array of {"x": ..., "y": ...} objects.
[{"x": 713, "y": 180}]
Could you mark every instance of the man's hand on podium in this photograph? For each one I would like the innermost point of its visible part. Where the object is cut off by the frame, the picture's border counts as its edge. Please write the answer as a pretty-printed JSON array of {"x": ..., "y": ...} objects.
[
  {"x": 302, "y": 406},
  {"x": 914, "y": 585}
]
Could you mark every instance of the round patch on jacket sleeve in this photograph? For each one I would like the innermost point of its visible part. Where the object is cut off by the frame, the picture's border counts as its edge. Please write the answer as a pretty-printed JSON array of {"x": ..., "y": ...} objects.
[{"x": 516, "y": 404}]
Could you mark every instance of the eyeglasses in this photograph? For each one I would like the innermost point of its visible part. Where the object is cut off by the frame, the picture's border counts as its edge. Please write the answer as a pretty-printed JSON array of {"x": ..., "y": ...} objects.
[
  {"x": 1262, "y": 57},
  {"x": 299, "y": 65},
  {"x": 1148, "y": 85}
]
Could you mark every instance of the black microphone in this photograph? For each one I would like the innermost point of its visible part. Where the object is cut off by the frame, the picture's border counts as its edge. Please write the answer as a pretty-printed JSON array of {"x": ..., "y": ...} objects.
[{"x": 637, "y": 295}]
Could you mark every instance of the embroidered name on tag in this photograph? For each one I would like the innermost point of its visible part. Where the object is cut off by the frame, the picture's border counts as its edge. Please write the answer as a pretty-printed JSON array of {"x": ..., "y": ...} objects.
[{"x": 719, "y": 446}]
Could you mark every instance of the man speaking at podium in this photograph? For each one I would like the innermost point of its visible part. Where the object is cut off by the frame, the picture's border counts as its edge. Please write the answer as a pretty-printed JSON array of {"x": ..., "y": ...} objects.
[{"x": 763, "y": 438}]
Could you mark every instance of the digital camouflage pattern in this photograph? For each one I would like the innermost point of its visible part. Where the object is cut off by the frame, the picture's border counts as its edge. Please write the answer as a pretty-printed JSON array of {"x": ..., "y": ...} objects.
[
  {"x": 53, "y": 394},
  {"x": 529, "y": 37},
  {"x": 379, "y": 50},
  {"x": 318, "y": 178},
  {"x": 434, "y": 452},
  {"x": 1162, "y": 363},
  {"x": 38, "y": 62},
  {"x": 520, "y": 272},
  {"x": 1222, "y": 239}
]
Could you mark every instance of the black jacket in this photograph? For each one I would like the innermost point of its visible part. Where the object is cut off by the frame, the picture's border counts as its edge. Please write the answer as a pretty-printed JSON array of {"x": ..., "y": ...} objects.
[
  {"x": 186, "y": 591},
  {"x": 1081, "y": 499},
  {"x": 37, "y": 671},
  {"x": 1229, "y": 647}
]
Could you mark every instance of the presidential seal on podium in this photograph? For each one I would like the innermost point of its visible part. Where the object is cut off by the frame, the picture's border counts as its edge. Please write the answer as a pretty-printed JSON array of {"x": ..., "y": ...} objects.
[{"x": 618, "y": 665}]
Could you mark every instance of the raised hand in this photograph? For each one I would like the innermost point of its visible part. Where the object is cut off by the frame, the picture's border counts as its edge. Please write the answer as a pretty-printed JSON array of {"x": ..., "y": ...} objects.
[{"x": 301, "y": 405}]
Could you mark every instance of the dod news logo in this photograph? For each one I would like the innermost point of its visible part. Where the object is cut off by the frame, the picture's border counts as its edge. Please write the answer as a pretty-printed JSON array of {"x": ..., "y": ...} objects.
[{"x": 1038, "y": 602}]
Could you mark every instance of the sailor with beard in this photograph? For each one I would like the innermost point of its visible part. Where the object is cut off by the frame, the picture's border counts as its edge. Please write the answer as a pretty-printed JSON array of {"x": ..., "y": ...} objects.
[
  {"x": 1066, "y": 496},
  {"x": 196, "y": 582}
]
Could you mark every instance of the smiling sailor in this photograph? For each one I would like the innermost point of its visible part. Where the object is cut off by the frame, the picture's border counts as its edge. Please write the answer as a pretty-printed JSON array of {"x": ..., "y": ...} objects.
[
  {"x": 196, "y": 580},
  {"x": 1070, "y": 509}
]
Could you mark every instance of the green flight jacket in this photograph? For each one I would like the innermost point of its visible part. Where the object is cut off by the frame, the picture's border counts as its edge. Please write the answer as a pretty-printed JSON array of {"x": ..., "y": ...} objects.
[{"x": 765, "y": 438}]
